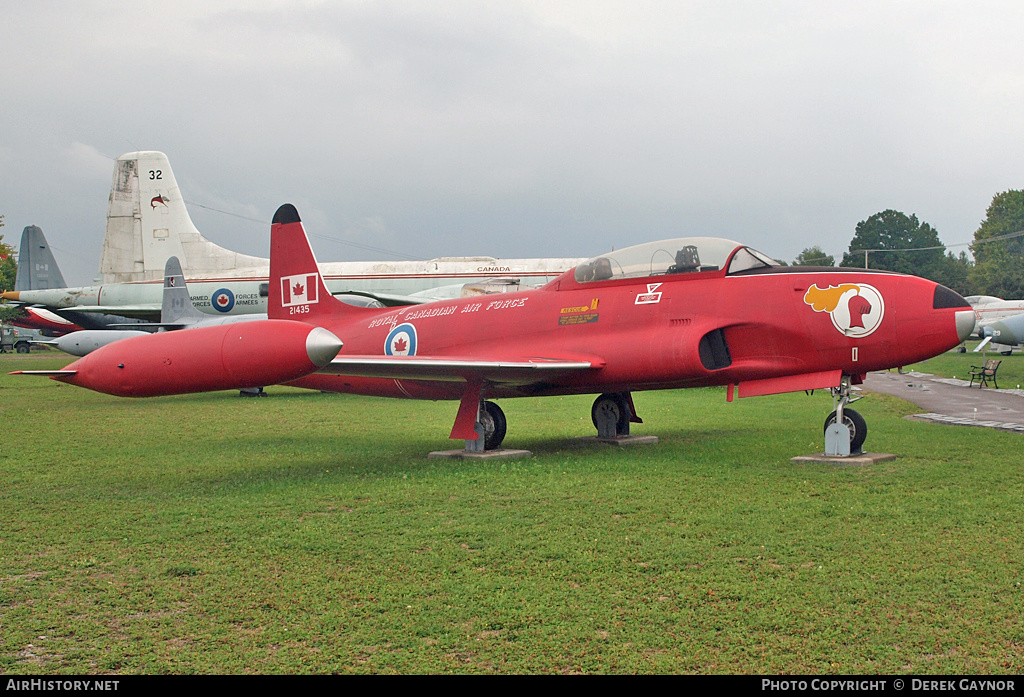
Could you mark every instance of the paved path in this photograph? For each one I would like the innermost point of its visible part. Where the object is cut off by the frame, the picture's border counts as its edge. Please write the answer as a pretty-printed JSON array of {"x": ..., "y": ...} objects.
[{"x": 952, "y": 401}]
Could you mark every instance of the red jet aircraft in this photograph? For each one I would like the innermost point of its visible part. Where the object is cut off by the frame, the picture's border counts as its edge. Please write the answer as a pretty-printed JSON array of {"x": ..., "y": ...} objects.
[{"x": 690, "y": 312}]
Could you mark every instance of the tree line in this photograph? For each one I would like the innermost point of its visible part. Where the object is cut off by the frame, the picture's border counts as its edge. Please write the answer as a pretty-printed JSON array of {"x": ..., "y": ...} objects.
[
  {"x": 8, "y": 274},
  {"x": 894, "y": 241}
]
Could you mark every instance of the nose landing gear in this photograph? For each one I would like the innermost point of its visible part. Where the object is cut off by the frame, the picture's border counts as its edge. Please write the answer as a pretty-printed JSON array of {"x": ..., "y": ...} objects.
[{"x": 845, "y": 429}]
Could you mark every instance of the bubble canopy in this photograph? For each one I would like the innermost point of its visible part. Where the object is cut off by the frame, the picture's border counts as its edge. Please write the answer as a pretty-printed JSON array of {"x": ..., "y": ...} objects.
[{"x": 681, "y": 255}]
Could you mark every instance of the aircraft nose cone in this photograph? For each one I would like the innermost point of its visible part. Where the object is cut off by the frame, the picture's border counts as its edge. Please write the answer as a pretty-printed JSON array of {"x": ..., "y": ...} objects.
[
  {"x": 964, "y": 323},
  {"x": 322, "y": 346}
]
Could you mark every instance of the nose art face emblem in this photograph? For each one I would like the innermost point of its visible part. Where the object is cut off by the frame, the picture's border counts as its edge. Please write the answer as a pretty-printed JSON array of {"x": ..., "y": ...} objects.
[{"x": 856, "y": 309}]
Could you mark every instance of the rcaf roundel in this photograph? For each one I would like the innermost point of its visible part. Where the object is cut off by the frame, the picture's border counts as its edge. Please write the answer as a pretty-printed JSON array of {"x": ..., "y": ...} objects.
[
  {"x": 223, "y": 300},
  {"x": 401, "y": 341}
]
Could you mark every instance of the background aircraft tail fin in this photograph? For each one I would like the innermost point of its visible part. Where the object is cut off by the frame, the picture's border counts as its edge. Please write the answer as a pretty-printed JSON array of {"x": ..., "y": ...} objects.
[
  {"x": 37, "y": 269},
  {"x": 147, "y": 222},
  {"x": 177, "y": 305},
  {"x": 297, "y": 289}
]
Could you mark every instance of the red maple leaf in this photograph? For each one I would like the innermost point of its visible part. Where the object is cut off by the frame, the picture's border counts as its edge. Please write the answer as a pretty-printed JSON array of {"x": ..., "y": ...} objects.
[
  {"x": 298, "y": 289},
  {"x": 399, "y": 345},
  {"x": 222, "y": 300}
]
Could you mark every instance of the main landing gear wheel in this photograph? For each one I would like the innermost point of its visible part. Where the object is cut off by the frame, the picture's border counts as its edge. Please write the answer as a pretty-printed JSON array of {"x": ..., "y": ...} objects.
[
  {"x": 855, "y": 422},
  {"x": 492, "y": 418},
  {"x": 611, "y": 415}
]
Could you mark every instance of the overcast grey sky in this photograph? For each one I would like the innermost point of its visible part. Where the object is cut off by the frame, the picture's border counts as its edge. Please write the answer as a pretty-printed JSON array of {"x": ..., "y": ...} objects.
[{"x": 514, "y": 128}]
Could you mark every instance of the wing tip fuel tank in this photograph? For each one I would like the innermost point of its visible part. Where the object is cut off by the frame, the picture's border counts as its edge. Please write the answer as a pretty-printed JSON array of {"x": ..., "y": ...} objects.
[
  {"x": 964, "y": 324},
  {"x": 322, "y": 346},
  {"x": 224, "y": 357}
]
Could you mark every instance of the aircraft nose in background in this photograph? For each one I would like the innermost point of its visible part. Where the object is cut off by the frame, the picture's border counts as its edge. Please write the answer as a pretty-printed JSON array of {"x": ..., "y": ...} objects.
[{"x": 322, "y": 346}]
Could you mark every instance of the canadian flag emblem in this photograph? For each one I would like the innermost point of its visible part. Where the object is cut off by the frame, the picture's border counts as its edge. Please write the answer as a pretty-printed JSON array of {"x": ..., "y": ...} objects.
[{"x": 299, "y": 290}]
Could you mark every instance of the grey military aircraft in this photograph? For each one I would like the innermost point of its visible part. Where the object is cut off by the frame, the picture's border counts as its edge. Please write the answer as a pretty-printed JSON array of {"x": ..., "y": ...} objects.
[
  {"x": 999, "y": 322},
  {"x": 148, "y": 222},
  {"x": 177, "y": 312}
]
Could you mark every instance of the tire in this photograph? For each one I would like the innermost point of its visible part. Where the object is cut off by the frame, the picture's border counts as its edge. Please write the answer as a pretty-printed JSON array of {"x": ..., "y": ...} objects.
[
  {"x": 22, "y": 348},
  {"x": 492, "y": 418},
  {"x": 614, "y": 407},
  {"x": 855, "y": 422}
]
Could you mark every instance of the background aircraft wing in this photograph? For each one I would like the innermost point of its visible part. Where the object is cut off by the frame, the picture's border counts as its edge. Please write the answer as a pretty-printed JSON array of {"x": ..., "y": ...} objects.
[
  {"x": 454, "y": 369},
  {"x": 389, "y": 299},
  {"x": 490, "y": 286},
  {"x": 148, "y": 311}
]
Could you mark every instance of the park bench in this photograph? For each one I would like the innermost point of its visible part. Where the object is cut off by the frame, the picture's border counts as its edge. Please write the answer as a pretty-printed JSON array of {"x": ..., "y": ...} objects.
[{"x": 984, "y": 373}]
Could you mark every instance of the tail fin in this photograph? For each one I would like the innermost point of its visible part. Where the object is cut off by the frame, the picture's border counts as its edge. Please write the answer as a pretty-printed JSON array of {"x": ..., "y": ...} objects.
[
  {"x": 177, "y": 305},
  {"x": 37, "y": 269},
  {"x": 147, "y": 222},
  {"x": 297, "y": 289}
]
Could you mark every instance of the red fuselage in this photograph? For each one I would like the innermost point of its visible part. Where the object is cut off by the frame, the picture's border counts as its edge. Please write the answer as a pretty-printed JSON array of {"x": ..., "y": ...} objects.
[{"x": 664, "y": 331}]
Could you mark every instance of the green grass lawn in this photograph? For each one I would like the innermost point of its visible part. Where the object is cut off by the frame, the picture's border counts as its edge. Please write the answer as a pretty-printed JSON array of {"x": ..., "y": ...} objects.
[
  {"x": 308, "y": 532},
  {"x": 952, "y": 364}
]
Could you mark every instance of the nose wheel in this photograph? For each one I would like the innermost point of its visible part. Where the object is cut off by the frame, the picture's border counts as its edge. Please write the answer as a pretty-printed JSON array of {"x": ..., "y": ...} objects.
[
  {"x": 845, "y": 429},
  {"x": 858, "y": 428}
]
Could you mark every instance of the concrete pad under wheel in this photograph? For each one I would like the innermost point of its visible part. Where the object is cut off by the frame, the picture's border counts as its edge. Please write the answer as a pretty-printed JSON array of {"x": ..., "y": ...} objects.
[
  {"x": 499, "y": 454},
  {"x": 856, "y": 459},
  {"x": 620, "y": 440}
]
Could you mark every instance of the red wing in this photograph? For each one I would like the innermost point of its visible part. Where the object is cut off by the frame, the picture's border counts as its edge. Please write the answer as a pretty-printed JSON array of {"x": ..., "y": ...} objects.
[{"x": 455, "y": 369}]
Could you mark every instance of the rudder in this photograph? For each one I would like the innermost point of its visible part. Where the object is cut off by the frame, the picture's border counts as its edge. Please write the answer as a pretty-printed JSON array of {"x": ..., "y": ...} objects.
[
  {"x": 177, "y": 305},
  {"x": 37, "y": 269},
  {"x": 297, "y": 289},
  {"x": 147, "y": 222}
]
